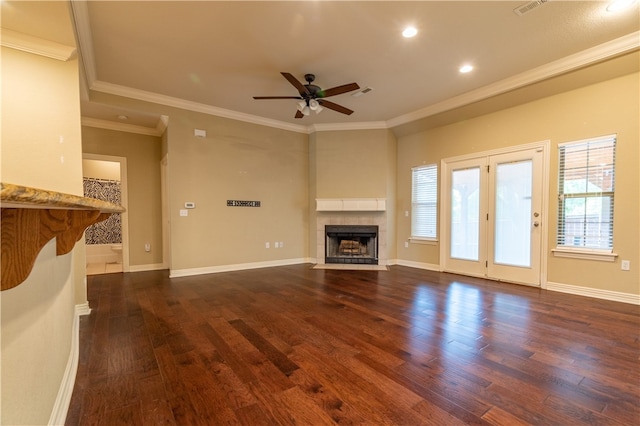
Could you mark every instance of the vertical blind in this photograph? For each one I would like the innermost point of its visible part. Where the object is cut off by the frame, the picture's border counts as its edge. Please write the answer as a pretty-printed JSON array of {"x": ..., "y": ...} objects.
[
  {"x": 586, "y": 193},
  {"x": 424, "y": 201}
]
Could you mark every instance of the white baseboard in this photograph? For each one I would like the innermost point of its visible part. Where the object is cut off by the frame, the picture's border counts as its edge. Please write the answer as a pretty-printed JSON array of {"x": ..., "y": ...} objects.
[
  {"x": 418, "y": 265},
  {"x": 175, "y": 273},
  {"x": 615, "y": 296},
  {"x": 147, "y": 267},
  {"x": 63, "y": 399}
]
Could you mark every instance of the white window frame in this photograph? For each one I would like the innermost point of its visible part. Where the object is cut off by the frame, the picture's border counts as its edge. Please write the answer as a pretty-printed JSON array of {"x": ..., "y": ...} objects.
[
  {"x": 580, "y": 252},
  {"x": 427, "y": 171}
]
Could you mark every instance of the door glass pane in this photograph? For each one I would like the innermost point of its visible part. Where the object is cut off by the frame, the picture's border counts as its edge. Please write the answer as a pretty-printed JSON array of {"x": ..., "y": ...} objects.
[
  {"x": 513, "y": 213},
  {"x": 465, "y": 212}
]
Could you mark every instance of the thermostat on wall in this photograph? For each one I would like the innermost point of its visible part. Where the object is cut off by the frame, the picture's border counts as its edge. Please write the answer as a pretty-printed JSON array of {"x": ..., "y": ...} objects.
[{"x": 190, "y": 205}]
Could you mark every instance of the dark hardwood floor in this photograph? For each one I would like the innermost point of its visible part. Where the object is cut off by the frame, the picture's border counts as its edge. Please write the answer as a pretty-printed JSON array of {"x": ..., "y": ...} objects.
[{"x": 293, "y": 345}]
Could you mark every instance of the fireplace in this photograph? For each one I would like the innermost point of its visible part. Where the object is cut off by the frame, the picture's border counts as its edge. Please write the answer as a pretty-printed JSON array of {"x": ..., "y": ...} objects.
[{"x": 352, "y": 244}]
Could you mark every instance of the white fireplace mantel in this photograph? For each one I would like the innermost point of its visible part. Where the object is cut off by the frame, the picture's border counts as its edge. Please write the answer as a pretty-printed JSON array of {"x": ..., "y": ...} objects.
[{"x": 351, "y": 204}]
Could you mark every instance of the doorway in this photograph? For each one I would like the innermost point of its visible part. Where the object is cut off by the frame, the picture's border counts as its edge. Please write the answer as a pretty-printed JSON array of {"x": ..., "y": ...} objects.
[
  {"x": 107, "y": 246},
  {"x": 492, "y": 210}
]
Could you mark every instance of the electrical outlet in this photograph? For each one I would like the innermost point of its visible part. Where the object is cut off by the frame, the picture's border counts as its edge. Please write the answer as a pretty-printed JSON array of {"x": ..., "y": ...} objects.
[
  {"x": 147, "y": 247},
  {"x": 625, "y": 265},
  {"x": 281, "y": 244},
  {"x": 406, "y": 244},
  {"x": 267, "y": 245},
  {"x": 276, "y": 244}
]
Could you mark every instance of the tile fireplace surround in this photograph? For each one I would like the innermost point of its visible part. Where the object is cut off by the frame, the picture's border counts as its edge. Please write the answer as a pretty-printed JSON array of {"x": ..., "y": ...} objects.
[{"x": 378, "y": 218}]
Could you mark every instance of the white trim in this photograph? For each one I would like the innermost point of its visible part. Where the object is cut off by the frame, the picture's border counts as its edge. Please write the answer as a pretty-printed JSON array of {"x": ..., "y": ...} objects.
[
  {"x": 573, "y": 62},
  {"x": 602, "y": 256},
  {"x": 351, "y": 204},
  {"x": 147, "y": 267},
  {"x": 122, "y": 127},
  {"x": 176, "y": 273},
  {"x": 82, "y": 27},
  {"x": 63, "y": 399},
  {"x": 363, "y": 125},
  {"x": 611, "y": 137},
  {"x": 417, "y": 265},
  {"x": 615, "y": 296},
  {"x": 36, "y": 45},
  {"x": 422, "y": 240}
]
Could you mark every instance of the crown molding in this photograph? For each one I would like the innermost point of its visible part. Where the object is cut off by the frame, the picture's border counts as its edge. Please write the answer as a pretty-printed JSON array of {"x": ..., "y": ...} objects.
[
  {"x": 141, "y": 95},
  {"x": 121, "y": 127},
  {"x": 599, "y": 53},
  {"x": 36, "y": 46},
  {"x": 80, "y": 17},
  {"x": 363, "y": 125}
]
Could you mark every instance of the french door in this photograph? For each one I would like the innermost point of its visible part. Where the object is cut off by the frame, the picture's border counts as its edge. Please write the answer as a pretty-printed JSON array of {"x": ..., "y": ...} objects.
[{"x": 492, "y": 216}]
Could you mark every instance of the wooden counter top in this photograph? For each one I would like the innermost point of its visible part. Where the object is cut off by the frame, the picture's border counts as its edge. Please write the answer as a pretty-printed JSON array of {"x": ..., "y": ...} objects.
[{"x": 31, "y": 217}]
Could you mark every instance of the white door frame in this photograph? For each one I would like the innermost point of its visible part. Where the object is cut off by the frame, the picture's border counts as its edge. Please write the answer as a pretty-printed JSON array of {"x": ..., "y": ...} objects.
[
  {"x": 445, "y": 203},
  {"x": 124, "y": 201}
]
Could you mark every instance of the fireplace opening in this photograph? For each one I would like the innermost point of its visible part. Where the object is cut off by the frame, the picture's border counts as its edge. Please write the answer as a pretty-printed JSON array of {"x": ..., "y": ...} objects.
[{"x": 351, "y": 244}]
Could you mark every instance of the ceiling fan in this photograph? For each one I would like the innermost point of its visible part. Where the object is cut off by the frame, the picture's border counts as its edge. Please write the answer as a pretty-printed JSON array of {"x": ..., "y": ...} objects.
[{"x": 312, "y": 97}]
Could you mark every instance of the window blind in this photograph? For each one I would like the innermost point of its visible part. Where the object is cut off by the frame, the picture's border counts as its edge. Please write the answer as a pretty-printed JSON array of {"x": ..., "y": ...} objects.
[
  {"x": 586, "y": 193},
  {"x": 424, "y": 201}
]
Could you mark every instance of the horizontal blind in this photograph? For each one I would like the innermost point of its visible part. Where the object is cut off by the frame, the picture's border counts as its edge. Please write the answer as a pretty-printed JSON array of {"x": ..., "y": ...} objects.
[
  {"x": 586, "y": 193},
  {"x": 424, "y": 201}
]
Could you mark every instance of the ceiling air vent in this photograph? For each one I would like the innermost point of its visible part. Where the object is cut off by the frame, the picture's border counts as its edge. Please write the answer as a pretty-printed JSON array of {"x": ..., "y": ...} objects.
[
  {"x": 362, "y": 92},
  {"x": 528, "y": 7}
]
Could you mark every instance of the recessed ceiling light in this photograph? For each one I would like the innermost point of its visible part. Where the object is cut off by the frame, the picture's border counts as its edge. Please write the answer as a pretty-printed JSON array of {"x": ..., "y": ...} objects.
[
  {"x": 466, "y": 68},
  {"x": 617, "y": 5},
  {"x": 409, "y": 32}
]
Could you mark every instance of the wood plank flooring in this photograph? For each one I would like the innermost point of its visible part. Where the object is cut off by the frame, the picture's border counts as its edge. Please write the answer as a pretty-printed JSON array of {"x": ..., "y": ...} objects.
[{"x": 294, "y": 345}]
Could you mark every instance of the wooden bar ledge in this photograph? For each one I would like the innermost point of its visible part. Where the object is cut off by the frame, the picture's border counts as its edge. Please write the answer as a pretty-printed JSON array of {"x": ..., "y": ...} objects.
[{"x": 31, "y": 217}]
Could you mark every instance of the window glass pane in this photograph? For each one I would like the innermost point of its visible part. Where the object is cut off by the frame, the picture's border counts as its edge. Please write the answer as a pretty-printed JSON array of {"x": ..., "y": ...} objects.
[
  {"x": 513, "y": 214},
  {"x": 465, "y": 213}
]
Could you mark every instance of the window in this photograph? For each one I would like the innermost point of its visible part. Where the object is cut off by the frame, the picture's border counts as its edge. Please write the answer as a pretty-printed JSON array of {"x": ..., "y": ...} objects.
[
  {"x": 586, "y": 193},
  {"x": 424, "y": 202}
]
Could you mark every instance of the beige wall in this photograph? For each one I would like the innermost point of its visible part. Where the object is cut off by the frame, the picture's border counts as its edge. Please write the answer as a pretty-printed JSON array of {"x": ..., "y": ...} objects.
[
  {"x": 99, "y": 169},
  {"x": 596, "y": 110},
  {"x": 40, "y": 148},
  {"x": 143, "y": 187},
  {"x": 353, "y": 163},
  {"x": 236, "y": 161}
]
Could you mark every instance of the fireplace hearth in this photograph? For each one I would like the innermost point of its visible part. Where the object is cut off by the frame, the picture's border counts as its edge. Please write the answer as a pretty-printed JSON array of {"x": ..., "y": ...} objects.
[{"x": 351, "y": 244}]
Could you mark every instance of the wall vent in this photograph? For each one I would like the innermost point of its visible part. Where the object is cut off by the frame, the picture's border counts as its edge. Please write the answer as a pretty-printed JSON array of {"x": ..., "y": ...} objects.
[{"x": 528, "y": 7}]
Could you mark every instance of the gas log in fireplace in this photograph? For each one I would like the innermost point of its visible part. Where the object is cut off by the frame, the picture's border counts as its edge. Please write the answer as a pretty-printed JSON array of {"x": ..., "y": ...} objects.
[{"x": 351, "y": 244}]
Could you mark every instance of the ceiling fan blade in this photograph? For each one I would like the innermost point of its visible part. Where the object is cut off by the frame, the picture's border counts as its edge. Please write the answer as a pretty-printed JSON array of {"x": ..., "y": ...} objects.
[
  {"x": 335, "y": 107},
  {"x": 339, "y": 90},
  {"x": 299, "y": 114},
  {"x": 301, "y": 88},
  {"x": 277, "y": 97}
]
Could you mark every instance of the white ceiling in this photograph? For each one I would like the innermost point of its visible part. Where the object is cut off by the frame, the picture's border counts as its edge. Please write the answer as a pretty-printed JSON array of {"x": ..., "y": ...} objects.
[{"x": 214, "y": 56}]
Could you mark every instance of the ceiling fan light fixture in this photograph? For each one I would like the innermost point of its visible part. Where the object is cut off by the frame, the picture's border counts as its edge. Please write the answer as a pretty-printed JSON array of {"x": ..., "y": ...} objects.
[
  {"x": 313, "y": 104},
  {"x": 305, "y": 110}
]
